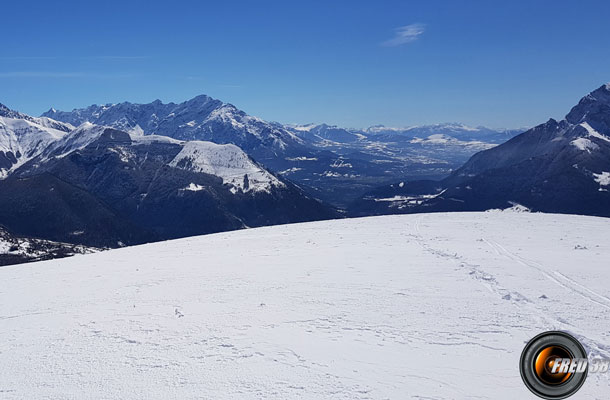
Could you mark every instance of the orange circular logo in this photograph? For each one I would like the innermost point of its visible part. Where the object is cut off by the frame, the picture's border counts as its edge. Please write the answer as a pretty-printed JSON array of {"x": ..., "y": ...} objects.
[{"x": 554, "y": 365}]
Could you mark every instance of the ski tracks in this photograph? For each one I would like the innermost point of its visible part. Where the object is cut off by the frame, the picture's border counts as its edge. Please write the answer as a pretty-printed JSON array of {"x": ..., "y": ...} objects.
[
  {"x": 493, "y": 285},
  {"x": 595, "y": 347},
  {"x": 475, "y": 271},
  {"x": 554, "y": 276}
]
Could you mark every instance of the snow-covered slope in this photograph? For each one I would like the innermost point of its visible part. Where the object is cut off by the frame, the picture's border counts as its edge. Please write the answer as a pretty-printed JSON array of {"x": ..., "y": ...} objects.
[
  {"x": 21, "y": 140},
  {"x": 429, "y": 306},
  {"x": 228, "y": 162},
  {"x": 77, "y": 139}
]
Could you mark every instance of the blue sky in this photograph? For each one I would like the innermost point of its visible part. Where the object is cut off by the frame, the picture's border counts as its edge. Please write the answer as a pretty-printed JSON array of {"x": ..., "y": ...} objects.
[{"x": 351, "y": 63}]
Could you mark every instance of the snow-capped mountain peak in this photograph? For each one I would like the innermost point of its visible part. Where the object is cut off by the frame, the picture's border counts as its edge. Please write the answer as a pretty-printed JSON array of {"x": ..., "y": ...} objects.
[
  {"x": 200, "y": 118},
  {"x": 594, "y": 109},
  {"x": 42, "y": 121}
]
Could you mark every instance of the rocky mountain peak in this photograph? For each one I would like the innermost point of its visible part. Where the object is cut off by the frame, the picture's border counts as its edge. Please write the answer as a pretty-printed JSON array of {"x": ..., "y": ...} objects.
[{"x": 594, "y": 108}]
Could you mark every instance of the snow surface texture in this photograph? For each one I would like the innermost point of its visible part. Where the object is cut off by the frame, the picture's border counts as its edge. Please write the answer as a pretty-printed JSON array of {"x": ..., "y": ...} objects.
[
  {"x": 228, "y": 162},
  {"x": 428, "y": 306}
]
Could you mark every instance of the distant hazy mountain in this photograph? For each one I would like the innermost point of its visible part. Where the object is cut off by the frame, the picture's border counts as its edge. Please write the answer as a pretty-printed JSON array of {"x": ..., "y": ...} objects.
[
  {"x": 559, "y": 167},
  {"x": 460, "y": 132},
  {"x": 318, "y": 134},
  {"x": 446, "y": 145},
  {"x": 453, "y": 133},
  {"x": 388, "y": 154}
]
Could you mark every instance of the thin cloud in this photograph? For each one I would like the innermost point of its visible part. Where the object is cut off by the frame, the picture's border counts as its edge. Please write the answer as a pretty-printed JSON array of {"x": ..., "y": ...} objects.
[
  {"x": 405, "y": 34},
  {"x": 46, "y": 74},
  {"x": 27, "y": 58},
  {"x": 107, "y": 57},
  {"x": 40, "y": 74}
]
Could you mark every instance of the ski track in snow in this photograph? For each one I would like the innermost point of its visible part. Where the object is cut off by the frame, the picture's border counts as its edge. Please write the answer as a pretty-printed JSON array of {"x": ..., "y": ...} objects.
[{"x": 435, "y": 306}]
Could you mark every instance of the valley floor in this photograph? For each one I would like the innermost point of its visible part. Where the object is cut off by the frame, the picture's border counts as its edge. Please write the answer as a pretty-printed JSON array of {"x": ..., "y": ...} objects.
[{"x": 427, "y": 306}]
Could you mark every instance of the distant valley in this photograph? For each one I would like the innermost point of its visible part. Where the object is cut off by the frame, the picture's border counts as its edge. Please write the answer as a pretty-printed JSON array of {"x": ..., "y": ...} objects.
[{"x": 558, "y": 166}]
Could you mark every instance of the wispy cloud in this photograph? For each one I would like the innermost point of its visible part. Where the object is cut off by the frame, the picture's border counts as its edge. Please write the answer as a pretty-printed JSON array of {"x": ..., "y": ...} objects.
[
  {"x": 27, "y": 58},
  {"x": 106, "y": 57},
  {"x": 40, "y": 74},
  {"x": 405, "y": 34},
  {"x": 47, "y": 74}
]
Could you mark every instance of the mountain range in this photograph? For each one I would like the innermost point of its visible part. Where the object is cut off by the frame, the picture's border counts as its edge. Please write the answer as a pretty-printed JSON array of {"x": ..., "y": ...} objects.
[
  {"x": 333, "y": 164},
  {"x": 200, "y": 118},
  {"x": 558, "y": 166},
  {"x": 122, "y": 174},
  {"x": 101, "y": 186}
]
